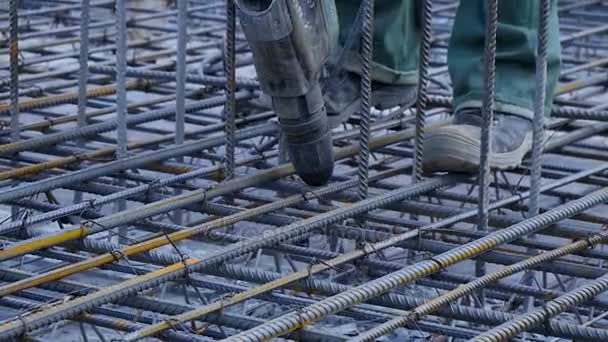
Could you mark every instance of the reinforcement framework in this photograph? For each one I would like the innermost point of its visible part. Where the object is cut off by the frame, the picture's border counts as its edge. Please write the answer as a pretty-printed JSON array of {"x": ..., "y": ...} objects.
[{"x": 145, "y": 191}]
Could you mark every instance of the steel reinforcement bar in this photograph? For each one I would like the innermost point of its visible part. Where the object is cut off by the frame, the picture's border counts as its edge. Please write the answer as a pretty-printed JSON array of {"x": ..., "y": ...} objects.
[
  {"x": 446, "y": 299},
  {"x": 175, "y": 202},
  {"x": 290, "y": 232},
  {"x": 436, "y": 263}
]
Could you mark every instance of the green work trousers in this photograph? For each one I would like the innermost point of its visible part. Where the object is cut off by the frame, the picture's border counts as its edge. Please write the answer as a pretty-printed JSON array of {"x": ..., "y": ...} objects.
[{"x": 397, "y": 35}]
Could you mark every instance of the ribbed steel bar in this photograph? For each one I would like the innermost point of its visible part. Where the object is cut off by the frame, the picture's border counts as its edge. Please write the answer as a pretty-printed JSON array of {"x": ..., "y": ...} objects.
[
  {"x": 113, "y": 323},
  {"x": 423, "y": 84},
  {"x": 551, "y": 309},
  {"x": 463, "y": 290},
  {"x": 105, "y": 24},
  {"x": 54, "y": 100},
  {"x": 229, "y": 70},
  {"x": 539, "y": 106},
  {"x": 487, "y": 114},
  {"x": 54, "y": 9},
  {"x": 132, "y": 161},
  {"x": 129, "y": 251},
  {"x": 399, "y": 302},
  {"x": 125, "y": 217},
  {"x": 339, "y": 260},
  {"x": 180, "y": 85},
  {"x": 512, "y": 199},
  {"x": 215, "y": 81},
  {"x": 367, "y": 51},
  {"x": 14, "y": 78},
  {"x": 14, "y": 68},
  {"x": 558, "y": 111},
  {"x": 177, "y": 236},
  {"x": 121, "y": 97},
  {"x": 180, "y": 79},
  {"x": 175, "y": 202},
  {"x": 280, "y": 282},
  {"x": 436, "y": 263},
  {"x": 57, "y": 122},
  {"x": 476, "y": 315},
  {"x": 121, "y": 79},
  {"x": 83, "y": 73},
  {"x": 131, "y": 44},
  {"x": 6, "y": 228},
  {"x": 169, "y": 308},
  {"x": 247, "y": 274},
  {"x": 79, "y": 157},
  {"x": 65, "y": 98},
  {"x": 90, "y": 130},
  {"x": 50, "y": 158},
  {"x": 172, "y": 259},
  {"x": 538, "y": 140},
  {"x": 163, "y": 306},
  {"x": 177, "y": 270}
]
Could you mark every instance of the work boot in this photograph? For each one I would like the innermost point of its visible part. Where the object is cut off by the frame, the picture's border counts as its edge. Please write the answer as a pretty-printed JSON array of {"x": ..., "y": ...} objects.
[
  {"x": 342, "y": 97},
  {"x": 456, "y": 146}
]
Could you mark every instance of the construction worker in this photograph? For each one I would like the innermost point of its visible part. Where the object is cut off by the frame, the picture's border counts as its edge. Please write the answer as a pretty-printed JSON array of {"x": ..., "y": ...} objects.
[
  {"x": 455, "y": 147},
  {"x": 397, "y": 35}
]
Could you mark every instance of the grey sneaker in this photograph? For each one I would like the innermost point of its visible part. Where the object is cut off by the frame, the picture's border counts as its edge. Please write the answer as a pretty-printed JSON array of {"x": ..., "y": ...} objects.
[
  {"x": 456, "y": 147},
  {"x": 342, "y": 99}
]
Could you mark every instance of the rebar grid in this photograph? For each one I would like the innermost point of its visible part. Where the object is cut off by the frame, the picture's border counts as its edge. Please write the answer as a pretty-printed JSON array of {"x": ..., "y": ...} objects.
[{"x": 202, "y": 200}]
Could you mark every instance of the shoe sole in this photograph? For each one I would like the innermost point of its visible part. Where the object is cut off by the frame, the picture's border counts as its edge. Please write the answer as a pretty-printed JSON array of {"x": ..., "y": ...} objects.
[{"x": 452, "y": 150}]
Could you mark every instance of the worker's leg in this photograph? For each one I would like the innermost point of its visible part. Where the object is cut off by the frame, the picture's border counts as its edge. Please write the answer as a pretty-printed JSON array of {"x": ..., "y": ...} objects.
[
  {"x": 515, "y": 55},
  {"x": 456, "y": 147},
  {"x": 396, "y": 39},
  {"x": 395, "y": 59}
]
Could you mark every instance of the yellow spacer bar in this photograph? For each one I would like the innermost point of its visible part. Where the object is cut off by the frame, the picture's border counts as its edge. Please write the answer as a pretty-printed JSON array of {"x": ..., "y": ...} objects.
[
  {"x": 145, "y": 245},
  {"x": 38, "y": 244},
  {"x": 95, "y": 92},
  {"x": 21, "y": 323}
]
